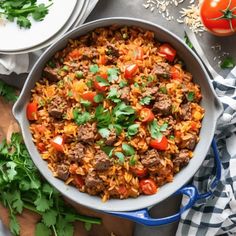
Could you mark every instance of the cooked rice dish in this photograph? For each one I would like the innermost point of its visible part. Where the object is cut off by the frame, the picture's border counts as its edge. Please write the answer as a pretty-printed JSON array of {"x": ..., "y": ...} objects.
[{"x": 115, "y": 113}]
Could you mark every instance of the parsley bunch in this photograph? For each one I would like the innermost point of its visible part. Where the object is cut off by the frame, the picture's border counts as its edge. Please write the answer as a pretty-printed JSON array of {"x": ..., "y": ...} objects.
[
  {"x": 7, "y": 92},
  {"x": 21, "y": 10},
  {"x": 22, "y": 187}
]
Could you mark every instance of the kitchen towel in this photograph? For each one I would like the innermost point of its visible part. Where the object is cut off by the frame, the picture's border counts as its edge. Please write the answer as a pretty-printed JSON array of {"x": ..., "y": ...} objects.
[
  {"x": 22, "y": 63},
  {"x": 217, "y": 214}
]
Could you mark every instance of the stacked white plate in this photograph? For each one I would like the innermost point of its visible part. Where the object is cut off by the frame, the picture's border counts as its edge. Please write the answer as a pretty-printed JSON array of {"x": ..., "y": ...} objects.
[{"x": 62, "y": 16}]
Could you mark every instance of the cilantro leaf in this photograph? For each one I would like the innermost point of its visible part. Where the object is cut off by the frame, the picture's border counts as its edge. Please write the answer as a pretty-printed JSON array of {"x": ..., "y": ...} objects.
[
  {"x": 132, "y": 160},
  {"x": 42, "y": 229},
  {"x": 94, "y": 68},
  {"x": 14, "y": 225},
  {"x": 113, "y": 74},
  {"x": 108, "y": 150},
  {"x": 123, "y": 83},
  {"x": 17, "y": 203},
  {"x": 187, "y": 41},
  {"x": 128, "y": 150},
  {"x": 145, "y": 100},
  {"x": 98, "y": 98},
  {"x": 113, "y": 95},
  {"x": 104, "y": 132},
  {"x": 42, "y": 203},
  {"x": 11, "y": 172},
  {"x": 23, "y": 22},
  {"x": 8, "y": 92},
  {"x": 103, "y": 117},
  {"x": 49, "y": 218},
  {"x": 190, "y": 96},
  {"x": 40, "y": 12},
  {"x": 133, "y": 129},
  {"x": 156, "y": 130},
  {"x": 81, "y": 118},
  {"x": 101, "y": 81},
  {"x": 228, "y": 63},
  {"x": 120, "y": 156},
  {"x": 85, "y": 103}
]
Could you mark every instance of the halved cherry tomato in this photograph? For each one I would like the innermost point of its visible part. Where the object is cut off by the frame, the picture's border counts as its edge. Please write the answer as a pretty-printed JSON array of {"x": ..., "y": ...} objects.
[
  {"x": 168, "y": 52},
  {"x": 31, "y": 111},
  {"x": 58, "y": 143},
  {"x": 104, "y": 75},
  {"x": 139, "y": 172},
  {"x": 89, "y": 96},
  {"x": 138, "y": 53},
  {"x": 130, "y": 71},
  {"x": 101, "y": 88},
  {"x": 148, "y": 186},
  {"x": 175, "y": 73},
  {"x": 146, "y": 115},
  {"x": 79, "y": 181},
  {"x": 41, "y": 147},
  {"x": 102, "y": 59},
  {"x": 159, "y": 144},
  {"x": 122, "y": 190}
]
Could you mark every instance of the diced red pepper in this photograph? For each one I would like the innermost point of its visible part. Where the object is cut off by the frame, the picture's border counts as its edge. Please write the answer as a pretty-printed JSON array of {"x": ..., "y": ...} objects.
[{"x": 31, "y": 111}]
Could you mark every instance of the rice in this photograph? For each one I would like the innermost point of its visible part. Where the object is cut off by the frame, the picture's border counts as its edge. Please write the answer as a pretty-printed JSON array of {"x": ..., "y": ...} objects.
[{"x": 102, "y": 144}]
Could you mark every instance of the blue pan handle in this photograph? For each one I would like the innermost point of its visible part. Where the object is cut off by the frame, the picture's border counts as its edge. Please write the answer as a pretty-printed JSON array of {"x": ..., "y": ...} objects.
[{"x": 143, "y": 217}]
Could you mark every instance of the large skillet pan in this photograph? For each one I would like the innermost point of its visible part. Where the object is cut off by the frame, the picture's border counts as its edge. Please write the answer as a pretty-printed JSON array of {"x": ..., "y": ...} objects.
[{"x": 210, "y": 102}]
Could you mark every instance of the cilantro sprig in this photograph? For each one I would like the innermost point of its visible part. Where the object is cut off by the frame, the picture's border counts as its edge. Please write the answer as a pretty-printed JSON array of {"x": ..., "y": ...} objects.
[
  {"x": 21, "y": 10},
  {"x": 22, "y": 187},
  {"x": 7, "y": 92},
  {"x": 156, "y": 130}
]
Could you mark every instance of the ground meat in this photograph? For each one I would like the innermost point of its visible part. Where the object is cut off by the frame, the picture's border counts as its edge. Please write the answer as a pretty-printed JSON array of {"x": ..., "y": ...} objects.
[
  {"x": 150, "y": 92},
  {"x": 124, "y": 94},
  {"x": 162, "y": 70},
  {"x": 76, "y": 153},
  {"x": 111, "y": 138},
  {"x": 111, "y": 50},
  {"x": 57, "y": 107},
  {"x": 163, "y": 104},
  {"x": 182, "y": 158},
  {"x": 51, "y": 74},
  {"x": 87, "y": 132},
  {"x": 93, "y": 184},
  {"x": 189, "y": 141},
  {"x": 186, "y": 112},
  {"x": 150, "y": 158},
  {"x": 62, "y": 171},
  {"x": 102, "y": 161}
]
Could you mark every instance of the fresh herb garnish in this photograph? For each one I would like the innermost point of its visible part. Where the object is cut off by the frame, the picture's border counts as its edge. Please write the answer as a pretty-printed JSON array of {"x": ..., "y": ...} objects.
[
  {"x": 81, "y": 117},
  {"x": 156, "y": 130},
  {"x": 133, "y": 129},
  {"x": 113, "y": 95},
  {"x": 21, "y": 10},
  {"x": 101, "y": 81},
  {"x": 113, "y": 74},
  {"x": 98, "y": 98},
  {"x": 21, "y": 187},
  {"x": 103, "y": 117},
  {"x": 104, "y": 132},
  {"x": 89, "y": 83},
  {"x": 70, "y": 93},
  {"x": 132, "y": 160},
  {"x": 145, "y": 100},
  {"x": 128, "y": 150},
  {"x": 85, "y": 103},
  {"x": 190, "y": 96},
  {"x": 108, "y": 150},
  {"x": 228, "y": 63},
  {"x": 187, "y": 41},
  {"x": 79, "y": 74},
  {"x": 7, "y": 92},
  {"x": 94, "y": 68},
  {"x": 123, "y": 83},
  {"x": 163, "y": 90},
  {"x": 120, "y": 156}
]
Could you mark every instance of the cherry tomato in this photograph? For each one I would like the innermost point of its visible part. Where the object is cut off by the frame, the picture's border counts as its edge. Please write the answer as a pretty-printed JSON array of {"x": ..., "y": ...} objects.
[
  {"x": 159, "y": 144},
  {"x": 167, "y": 51},
  {"x": 146, "y": 115},
  {"x": 79, "y": 181},
  {"x": 58, "y": 143},
  {"x": 104, "y": 75},
  {"x": 219, "y": 16},
  {"x": 138, "y": 53},
  {"x": 98, "y": 86},
  {"x": 138, "y": 171},
  {"x": 176, "y": 73},
  {"x": 102, "y": 59},
  {"x": 148, "y": 186},
  {"x": 89, "y": 96},
  {"x": 31, "y": 111},
  {"x": 130, "y": 71}
]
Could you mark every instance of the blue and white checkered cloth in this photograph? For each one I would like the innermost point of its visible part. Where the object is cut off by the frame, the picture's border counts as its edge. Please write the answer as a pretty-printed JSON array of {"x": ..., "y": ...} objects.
[{"x": 217, "y": 214}]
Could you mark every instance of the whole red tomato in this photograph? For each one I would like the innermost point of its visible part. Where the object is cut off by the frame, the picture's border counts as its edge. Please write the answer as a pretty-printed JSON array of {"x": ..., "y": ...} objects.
[{"x": 219, "y": 16}]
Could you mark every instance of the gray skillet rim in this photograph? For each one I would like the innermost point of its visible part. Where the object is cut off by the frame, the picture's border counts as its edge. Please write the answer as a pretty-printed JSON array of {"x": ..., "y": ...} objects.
[{"x": 213, "y": 111}]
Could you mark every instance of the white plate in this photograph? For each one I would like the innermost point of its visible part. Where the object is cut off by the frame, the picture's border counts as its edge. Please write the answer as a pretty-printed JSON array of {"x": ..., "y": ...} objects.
[
  {"x": 79, "y": 11},
  {"x": 14, "y": 38}
]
